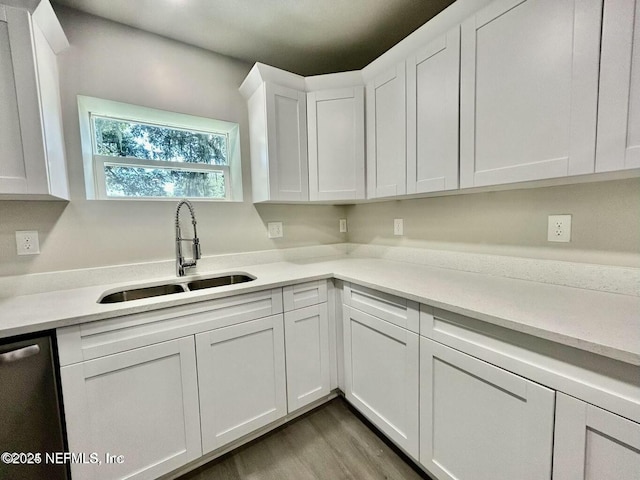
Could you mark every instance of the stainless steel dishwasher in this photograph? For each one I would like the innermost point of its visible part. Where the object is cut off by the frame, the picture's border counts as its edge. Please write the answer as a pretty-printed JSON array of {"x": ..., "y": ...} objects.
[{"x": 30, "y": 420}]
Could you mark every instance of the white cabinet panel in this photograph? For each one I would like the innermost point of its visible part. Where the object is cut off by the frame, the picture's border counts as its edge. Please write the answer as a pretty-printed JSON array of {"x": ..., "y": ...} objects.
[
  {"x": 287, "y": 139},
  {"x": 336, "y": 144},
  {"x": 33, "y": 155},
  {"x": 307, "y": 352},
  {"x": 479, "y": 422},
  {"x": 433, "y": 104},
  {"x": 142, "y": 404},
  {"x": 618, "y": 145},
  {"x": 593, "y": 444},
  {"x": 241, "y": 376},
  {"x": 529, "y": 84},
  {"x": 13, "y": 175},
  {"x": 381, "y": 375},
  {"x": 386, "y": 134}
]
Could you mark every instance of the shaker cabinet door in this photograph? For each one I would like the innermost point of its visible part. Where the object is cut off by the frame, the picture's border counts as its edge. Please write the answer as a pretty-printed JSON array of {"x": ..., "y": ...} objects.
[
  {"x": 619, "y": 99},
  {"x": 141, "y": 404},
  {"x": 386, "y": 134},
  {"x": 288, "y": 174},
  {"x": 529, "y": 87},
  {"x": 335, "y": 119},
  {"x": 479, "y": 422},
  {"x": 593, "y": 444},
  {"x": 433, "y": 105},
  {"x": 241, "y": 376},
  {"x": 307, "y": 352},
  {"x": 381, "y": 375}
]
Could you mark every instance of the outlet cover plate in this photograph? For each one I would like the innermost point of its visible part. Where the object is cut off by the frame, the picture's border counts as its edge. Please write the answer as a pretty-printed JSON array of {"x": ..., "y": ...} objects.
[
  {"x": 398, "y": 226},
  {"x": 275, "y": 229},
  {"x": 559, "y": 228},
  {"x": 343, "y": 225},
  {"x": 27, "y": 242}
]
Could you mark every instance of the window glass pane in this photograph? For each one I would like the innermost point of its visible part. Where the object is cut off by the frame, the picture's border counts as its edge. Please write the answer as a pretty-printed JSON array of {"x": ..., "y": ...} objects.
[
  {"x": 123, "y": 138},
  {"x": 125, "y": 181}
]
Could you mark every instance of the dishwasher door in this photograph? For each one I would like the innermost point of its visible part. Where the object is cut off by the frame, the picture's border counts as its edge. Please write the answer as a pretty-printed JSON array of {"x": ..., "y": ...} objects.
[{"x": 29, "y": 409}]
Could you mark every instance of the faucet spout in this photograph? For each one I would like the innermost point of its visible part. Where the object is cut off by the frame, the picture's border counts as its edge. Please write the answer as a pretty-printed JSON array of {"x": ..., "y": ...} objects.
[{"x": 181, "y": 263}]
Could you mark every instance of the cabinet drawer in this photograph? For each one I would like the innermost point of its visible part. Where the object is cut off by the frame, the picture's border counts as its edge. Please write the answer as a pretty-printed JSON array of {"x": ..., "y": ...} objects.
[
  {"x": 399, "y": 311},
  {"x": 96, "y": 339},
  {"x": 304, "y": 295},
  {"x": 602, "y": 381}
]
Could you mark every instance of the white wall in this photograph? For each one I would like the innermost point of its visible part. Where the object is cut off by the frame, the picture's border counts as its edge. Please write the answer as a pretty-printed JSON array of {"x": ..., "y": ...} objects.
[{"x": 115, "y": 62}]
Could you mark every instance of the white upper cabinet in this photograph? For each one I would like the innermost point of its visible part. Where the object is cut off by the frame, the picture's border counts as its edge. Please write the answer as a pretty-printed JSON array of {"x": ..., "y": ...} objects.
[
  {"x": 433, "y": 85},
  {"x": 336, "y": 144},
  {"x": 618, "y": 144},
  {"x": 278, "y": 132},
  {"x": 33, "y": 162},
  {"x": 386, "y": 134},
  {"x": 529, "y": 84}
]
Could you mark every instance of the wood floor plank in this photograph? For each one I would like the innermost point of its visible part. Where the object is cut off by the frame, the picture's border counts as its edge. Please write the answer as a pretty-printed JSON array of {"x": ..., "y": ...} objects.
[{"x": 330, "y": 443}]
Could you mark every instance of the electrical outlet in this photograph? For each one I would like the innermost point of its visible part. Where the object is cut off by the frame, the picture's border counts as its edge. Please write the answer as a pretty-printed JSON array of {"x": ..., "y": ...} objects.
[
  {"x": 343, "y": 225},
  {"x": 398, "y": 226},
  {"x": 27, "y": 243},
  {"x": 559, "y": 228},
  {"x": 275, "y": 229}
]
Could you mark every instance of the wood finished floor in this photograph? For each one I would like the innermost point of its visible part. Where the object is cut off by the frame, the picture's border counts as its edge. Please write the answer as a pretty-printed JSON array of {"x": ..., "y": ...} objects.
[{"x": 329, "y": 443}]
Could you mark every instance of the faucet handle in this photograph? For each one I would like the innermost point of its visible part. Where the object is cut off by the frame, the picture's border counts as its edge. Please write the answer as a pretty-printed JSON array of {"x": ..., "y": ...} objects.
[{"x": 197, "y": 254}]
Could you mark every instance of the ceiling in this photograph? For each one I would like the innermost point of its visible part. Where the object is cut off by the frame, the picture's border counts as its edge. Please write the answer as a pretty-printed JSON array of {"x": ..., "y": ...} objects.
[{"x": 308, "y": 37}]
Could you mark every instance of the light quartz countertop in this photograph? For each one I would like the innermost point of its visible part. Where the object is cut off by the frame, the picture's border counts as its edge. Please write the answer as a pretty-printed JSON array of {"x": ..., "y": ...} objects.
[{"x": 603, "y": 323}]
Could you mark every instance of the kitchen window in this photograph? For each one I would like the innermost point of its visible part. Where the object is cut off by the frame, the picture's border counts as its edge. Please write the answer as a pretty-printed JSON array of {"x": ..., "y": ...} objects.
[{"x": 133, "y": 152}]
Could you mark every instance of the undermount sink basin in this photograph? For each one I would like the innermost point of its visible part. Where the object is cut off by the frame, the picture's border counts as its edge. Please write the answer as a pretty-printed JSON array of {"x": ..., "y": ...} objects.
[
  {"x": 170, "y": 288},
  {"x": 138, "y": 293},
  {"x": 219, "y": 281}
]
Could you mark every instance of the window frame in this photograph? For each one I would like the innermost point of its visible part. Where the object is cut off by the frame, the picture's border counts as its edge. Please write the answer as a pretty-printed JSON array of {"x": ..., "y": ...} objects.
[{"x": 94, "y": 164}]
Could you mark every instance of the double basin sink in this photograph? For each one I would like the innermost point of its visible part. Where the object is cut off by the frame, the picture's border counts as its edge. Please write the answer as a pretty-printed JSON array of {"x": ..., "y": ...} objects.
[{"x": 171, "y": 288}]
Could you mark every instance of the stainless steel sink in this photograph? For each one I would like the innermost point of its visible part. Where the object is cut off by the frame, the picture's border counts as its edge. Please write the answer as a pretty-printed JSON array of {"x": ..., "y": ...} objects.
[
  {"x": 138, "y": 293},
  {"x": 219, "y": 281},
  {"x": 171, "y": 288}
]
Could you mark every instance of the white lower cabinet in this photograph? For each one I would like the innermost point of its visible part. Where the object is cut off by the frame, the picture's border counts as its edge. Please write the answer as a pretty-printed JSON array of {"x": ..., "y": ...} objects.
[
  {"x": 241, "y": 376},
  {"x": 142, "y": 404},
  {"x": 381, "y": 375},
  {"x": 593, "y": 444},
  {"x": 479, "y": 422},
  {"x": 307, "y": 353}
]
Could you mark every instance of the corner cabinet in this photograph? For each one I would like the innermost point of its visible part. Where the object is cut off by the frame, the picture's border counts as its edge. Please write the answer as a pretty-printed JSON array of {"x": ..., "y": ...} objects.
[
  {"x": 618, "y": 145},
  {"x": 306, "y": 143},
  {"x": 529, "y": 91},
  {"x": 335, "y": 120},
  {"x": 33, "y": 158},
  {"x": 278, "y": 134}
]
